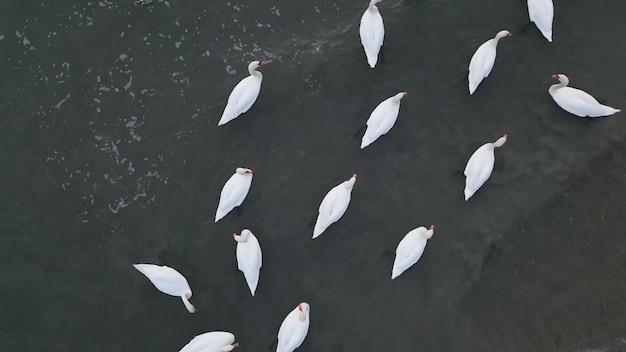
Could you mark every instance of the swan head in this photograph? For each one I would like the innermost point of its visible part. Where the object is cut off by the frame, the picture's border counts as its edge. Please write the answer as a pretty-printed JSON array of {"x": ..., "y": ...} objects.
[
  {"x": 255, "y": 64},
  {"x": 229, "y": 347},
  {"x": 243, "y": 238},
  {"x": 399, "y": 96},
  {"x": 243, "y": 171},
  {"x": 185, "y": 297},
  {"x": 503, "y": 33},
  {"x": 429, "y": 233},
  {"x": 562, "y": 78},
  {"x": 350, "y": 183},
  {"x": 303, "y": 311},
  {"x": 373, "y": 3},
  {"x": 500, "y": 142}
]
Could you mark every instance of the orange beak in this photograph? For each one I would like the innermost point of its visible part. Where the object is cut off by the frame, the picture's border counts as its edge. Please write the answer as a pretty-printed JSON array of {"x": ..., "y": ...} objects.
[
  {"x": 261, "y": 63},
  {"x": 432, "y": 227},
  {"x": 555, "y": 76}
]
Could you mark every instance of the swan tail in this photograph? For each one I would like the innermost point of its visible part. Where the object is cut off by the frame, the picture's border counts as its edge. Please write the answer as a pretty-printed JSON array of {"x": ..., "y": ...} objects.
[
  {"x": 472, "y": 86},
  {"x": 607, "y": 110},
  {"x": 219, "y": 214},
  {"x": 319, "y": 229},
  {"x": 468, "y": 193},
  {"x": 396, "y": 272}
]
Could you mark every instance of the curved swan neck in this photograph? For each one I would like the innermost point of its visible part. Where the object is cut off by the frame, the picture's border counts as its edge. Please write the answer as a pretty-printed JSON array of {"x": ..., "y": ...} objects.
[
  {"x": 252, "y": 69},
  {"x": 350, "y": 183},
  {"x": 373, "y": 4},
  {"x": 564, "y": 81},
  {"x": 396, "y": 98},
  {"x": 243, "y": 238},
  {"x": 188, "y": 304},
  {"x": 500, "y": 142},
  {"x": 502, "y": 34}
]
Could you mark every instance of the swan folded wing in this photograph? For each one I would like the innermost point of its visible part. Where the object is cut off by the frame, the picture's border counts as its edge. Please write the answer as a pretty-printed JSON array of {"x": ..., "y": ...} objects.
[
  {"x": 541, "y": 12},
  {"x": 228, "y": 192},
  {"x": 329, "y": 199},
  {"x": 479, "y": 173},
  {"x": 579, "y": 99},
  {"x": 472, "y": 160},
  {"x": 482, "y": 62},
  {"x": 372, "y": 32},
  {"x": 286, "y": 331},
  {"x": 337, "y": 207},
  {"x": 249, "y": 256}
]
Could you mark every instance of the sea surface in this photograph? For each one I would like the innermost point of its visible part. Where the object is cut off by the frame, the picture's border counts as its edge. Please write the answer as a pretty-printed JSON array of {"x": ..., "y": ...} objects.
[{"x": 110, "y": 155}]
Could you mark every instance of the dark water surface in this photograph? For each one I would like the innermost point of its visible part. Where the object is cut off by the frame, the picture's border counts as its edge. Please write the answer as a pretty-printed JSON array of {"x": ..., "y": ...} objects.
[{"x": 110, "y": 155}]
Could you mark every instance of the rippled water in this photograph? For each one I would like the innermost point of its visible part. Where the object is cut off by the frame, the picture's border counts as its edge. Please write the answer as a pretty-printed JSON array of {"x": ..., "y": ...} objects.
[{"x": 111, "y": 155}]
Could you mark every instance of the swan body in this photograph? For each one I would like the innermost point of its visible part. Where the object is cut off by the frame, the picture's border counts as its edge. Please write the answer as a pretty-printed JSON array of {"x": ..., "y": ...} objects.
[
  {"x": 410, "y": 249},
  {"x": 234, "y": 192},
  {"x": 372, "y": 32},
  {"x": 333, "y": 206},
  {"x": 576, "y": 101},
  {"x": 214, "y": 341},
  {"x": 244, "y": 94},
  {"x": 168, "y": 281},
  {"x": 294, "y": 329},
  {"x": 483, "y": 60},
  {"x": 382, "y": 119},
  {"x": 249, "y": 258},
  {"x": 480, "y": 165},
  {"x": 541, "y": 12}
]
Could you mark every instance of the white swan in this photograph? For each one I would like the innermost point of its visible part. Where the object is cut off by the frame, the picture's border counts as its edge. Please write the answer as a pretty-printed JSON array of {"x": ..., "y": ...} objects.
[
  {"x": 410, "y": 249},
  {"x": 234, "y": 192},
  {"x": 382, "y": 119},
  {"x": 541, "y": 12},
  {"x": 483, "y": 60},
  {"x": 372, "y": 32},
  {"x": 480, "y": 165},
  {"x": 214, "y": 341},
  {"x": 244, "y": 94},
  {"x": 576, "y": 101},
  {"x": 334, "y": 205},
  {"x": 294, "y": 329},
  {"x": 169, "y": 281},
  {"x": 249, "y": 257}
]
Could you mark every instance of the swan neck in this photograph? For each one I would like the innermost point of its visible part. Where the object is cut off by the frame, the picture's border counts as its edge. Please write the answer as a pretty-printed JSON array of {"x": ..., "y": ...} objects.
[
  {"x": 185, "y": 297},
  {"x": 373, "y": 4},
  {"x": 428, "y": 234},
  {"x": 241, "y": 238},
  {"x": 302, "y": 315},
  {"x": 350, "y": 183},
  {"x": 500, "y": 142},
  {"x": 253, "y": 72}
]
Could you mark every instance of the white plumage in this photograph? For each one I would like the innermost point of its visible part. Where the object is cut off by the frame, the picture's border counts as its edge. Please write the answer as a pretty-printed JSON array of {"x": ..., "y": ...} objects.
[
  {"x": 410, "y": 249},
  {"x": 244, "y": 94},
  {"x": 168, "y": 281},
  {"x": 294, "y": 329},
  {"x": 333, "y": 206},
  {"x": 480, "y": 165},
  {"x": 483, "y": 60},
  {"x": 382, "y": 119},
  {"x": 541, "y": 12},
  {"x": 249, "y": 258},
  {"x": 214, "y": 341},
  {"x": 234, "y": 192},
  {"x": 372, "y": 32},
  {"x": 576, "y": 101}
]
